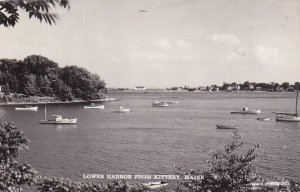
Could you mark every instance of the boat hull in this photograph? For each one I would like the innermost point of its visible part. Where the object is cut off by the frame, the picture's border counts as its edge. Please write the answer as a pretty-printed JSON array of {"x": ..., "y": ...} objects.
[
  {"x": 62, "y": 121},
  {"x": 264, "y": 119},
  {"x": 251, "y": 112},
  {"x": 160, "y": 104},
  {"x": 121, "y": 111},
  {"x": 26, "y": 108},
  {"x": 227, "y": 126},
  {"x": 288, "y": 119},
  {"x": 95, "y": 107}
]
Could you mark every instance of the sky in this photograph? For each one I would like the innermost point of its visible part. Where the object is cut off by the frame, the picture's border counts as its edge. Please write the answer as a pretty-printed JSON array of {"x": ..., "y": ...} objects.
[{"x": 170, "y": 43}]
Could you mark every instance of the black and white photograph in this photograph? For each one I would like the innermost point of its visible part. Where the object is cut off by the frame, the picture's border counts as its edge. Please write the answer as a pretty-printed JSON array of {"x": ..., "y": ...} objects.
[{"x": 149, "y": 95}]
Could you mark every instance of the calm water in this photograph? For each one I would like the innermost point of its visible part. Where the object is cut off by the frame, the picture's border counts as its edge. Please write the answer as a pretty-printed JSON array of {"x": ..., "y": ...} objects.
[{"x": 151, "y": 140}]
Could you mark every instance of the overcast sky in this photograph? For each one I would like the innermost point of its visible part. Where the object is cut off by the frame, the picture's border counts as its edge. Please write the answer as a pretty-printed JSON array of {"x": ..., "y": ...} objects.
[{"x": 173, "y": 43}]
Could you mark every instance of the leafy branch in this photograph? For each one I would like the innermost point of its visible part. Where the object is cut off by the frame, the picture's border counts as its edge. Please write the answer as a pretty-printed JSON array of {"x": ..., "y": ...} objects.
[{"x": 39, "y": 9}]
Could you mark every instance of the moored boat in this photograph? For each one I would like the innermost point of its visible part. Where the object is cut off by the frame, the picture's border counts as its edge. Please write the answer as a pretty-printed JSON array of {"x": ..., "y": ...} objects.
[
  {"x": 264, "y": 119},
  {"x": 93, "y": 106},
  {"x": 57, "y": 119},
  {"x": 246, "y": 110},
  {"x": 227, "y": 126},
  {"x": 26, "y": 108},
  {"x": 159, "y": 104},
  {"x": 289, "y": 117}
]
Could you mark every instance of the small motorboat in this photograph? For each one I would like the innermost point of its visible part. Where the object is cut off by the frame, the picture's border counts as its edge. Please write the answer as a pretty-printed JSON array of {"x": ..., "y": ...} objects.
[
  {"x": 227, "y": 126},
  {"x": 160, "y": 104},
  {"x": 246, "y": 110},
  {"x": 26, "y": 108},
  {"x": 57, "y": 119},
  {"x": 121, "y": 110},
  {"x": 155, "y": 185},
  {"x": 264, "y": 119},
  {"x": 93, "y": 106}
]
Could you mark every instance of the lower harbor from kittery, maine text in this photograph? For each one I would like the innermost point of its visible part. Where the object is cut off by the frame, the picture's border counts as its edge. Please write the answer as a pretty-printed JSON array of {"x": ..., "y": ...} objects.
[{"x": 141, "y": 177}]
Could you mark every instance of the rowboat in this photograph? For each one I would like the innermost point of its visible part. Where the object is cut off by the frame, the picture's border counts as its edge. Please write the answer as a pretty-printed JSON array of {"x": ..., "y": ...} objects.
[
  {"x": 155, "y": 185},
  {"x": 227, "y": 126},
  {"x": 26, "y": 108},
  {"x": 159, "y": 104},
  {"x": 245, "y": 110},
  {"x": 93, "y": 106}
]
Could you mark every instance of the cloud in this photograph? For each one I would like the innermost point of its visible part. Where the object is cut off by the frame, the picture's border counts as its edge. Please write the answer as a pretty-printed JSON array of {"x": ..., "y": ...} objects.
[
  {"x": 182, "y": 43},
  {"x": 267, "y": 55},
  {"x": 225, "y": 38},
  {"x": 236, "y": 54},
  {"x": 163, "y": 43}
]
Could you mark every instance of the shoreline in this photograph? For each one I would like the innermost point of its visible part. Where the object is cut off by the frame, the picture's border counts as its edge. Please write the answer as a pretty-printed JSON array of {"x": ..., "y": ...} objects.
[
  {"x": 43, "y": 103},
  {"x": 48, "y": 102}
]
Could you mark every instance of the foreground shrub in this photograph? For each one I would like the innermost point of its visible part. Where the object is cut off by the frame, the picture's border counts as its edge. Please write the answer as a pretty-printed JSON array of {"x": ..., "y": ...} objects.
[{"x": 231, "y": 170}]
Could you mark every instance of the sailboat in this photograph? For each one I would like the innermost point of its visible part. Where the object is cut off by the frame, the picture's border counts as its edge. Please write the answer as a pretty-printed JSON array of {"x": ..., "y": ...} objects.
[
  {"x": 172, "y": 102},
  {"x": 289, "y": 117},
  {"x": 57, "y": 119}
]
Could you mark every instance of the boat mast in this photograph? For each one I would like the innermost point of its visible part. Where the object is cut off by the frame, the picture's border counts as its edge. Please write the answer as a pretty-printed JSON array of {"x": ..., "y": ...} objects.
[
  {"x": 45, "y": 113},
  {"x": 297, "y": 104}
]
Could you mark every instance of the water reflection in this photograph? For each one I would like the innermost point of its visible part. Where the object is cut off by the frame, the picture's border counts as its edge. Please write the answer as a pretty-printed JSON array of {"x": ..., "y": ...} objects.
[{"x": 64, "y": 127}]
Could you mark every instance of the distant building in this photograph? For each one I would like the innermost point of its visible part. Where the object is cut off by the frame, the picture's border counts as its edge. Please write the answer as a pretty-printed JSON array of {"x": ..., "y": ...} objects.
[
  {"x": 139, "y": 88},
  {"x": 251, "y": 87}
]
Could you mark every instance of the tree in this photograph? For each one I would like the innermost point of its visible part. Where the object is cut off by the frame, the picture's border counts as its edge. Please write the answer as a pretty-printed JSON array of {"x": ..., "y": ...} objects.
[
  {"x": 40, "y": 9},
  {"x": 285, "y": 85},
  {"x": 13, "y": 174},
  {"x": 231, "y": 170},
  {"x": 30, "y": 87},
  {"x": 297, "y": 86},
  {"x": 84, "y": 84}
]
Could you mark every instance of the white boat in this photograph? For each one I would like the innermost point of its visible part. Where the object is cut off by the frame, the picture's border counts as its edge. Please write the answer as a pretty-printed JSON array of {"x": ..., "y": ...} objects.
[
  {"x": 26, "y": 108},
  {"x": 155, "y": 185},
  {"x": 121, "y": 110},
  {"x": 57, "y": 119},
  {"x": 246, "y": 110},
  {"x": 159, "y": 104},
  {"x": 264, "y": 119},
  {"x": 93, "y": 106},
  {"x": 227, "y": 126},
  {"x": 289, "y": 117}
]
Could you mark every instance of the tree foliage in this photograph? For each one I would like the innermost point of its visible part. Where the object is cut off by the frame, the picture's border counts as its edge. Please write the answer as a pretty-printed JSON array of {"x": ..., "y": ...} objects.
[
  {"x": 39, "y": 9},
  {"x": 54, "y": 184},
  {"x": 39, "y": 76},
  {"x": 231, "y": 170},
  {"x": 12, "y": 173}
]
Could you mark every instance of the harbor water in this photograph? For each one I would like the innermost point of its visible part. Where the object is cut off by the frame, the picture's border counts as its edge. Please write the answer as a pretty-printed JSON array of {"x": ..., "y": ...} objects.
[{"x": 151, "y": 140}]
